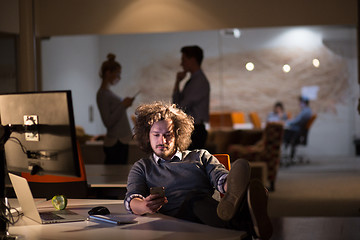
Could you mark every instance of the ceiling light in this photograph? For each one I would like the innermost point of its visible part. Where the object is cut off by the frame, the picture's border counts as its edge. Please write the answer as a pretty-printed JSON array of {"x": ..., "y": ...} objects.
[
  {"x": 250, "y": 66},
  {"x": 286, "y": 68},
  {"x": 316, "y": 62}
]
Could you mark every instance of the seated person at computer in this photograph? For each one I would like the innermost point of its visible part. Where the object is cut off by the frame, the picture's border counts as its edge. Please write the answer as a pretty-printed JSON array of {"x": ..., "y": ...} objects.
[
  {"x": 190, "y": 177},
  {"x": 278, "y": 114},
  {"x": 294, "y": 126}
]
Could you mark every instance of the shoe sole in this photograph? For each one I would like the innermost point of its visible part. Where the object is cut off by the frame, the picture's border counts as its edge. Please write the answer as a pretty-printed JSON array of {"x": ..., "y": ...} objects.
[
  {"x": 237, "y": 183},
  {"x": 257, "y": 198}
]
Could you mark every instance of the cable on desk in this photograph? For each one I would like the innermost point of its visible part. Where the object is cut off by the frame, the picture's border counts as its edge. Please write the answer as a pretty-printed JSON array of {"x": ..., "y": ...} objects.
[{"x": 7, "y": 216}]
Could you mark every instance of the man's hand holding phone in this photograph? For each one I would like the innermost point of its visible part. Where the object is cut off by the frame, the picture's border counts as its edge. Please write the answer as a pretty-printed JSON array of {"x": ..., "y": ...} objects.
[
  {"x": 156, "y": 199},
  {"x": 158, "y": 191}
]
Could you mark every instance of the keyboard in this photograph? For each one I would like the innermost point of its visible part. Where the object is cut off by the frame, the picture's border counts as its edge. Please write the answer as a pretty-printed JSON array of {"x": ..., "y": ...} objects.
[{"x": 49, "y": 216}]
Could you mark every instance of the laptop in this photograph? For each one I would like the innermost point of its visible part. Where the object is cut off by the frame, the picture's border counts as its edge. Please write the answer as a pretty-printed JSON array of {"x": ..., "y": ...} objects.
[{"x": 28, "y": 206}]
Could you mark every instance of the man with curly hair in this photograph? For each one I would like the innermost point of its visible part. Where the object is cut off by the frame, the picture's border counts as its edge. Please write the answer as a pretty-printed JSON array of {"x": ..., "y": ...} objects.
[{"x": 190, "y": 177}]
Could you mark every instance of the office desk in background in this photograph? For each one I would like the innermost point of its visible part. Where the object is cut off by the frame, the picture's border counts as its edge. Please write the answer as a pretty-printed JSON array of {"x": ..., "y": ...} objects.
[
  {"x": 156, "y": 226},
  {"x": 106, "y": 176},
  {"x": 107, "y": 181}
]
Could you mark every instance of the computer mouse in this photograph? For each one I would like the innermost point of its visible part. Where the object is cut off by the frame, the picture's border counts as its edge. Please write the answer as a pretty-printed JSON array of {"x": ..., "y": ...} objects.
[{"x": 100, "y": 210}]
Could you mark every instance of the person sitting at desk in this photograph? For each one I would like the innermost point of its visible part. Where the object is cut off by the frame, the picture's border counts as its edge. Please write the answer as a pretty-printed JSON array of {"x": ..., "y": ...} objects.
[
  {"x": 294, "y": 126},
  {"x": 278, "y": 114},
  {"x": 190, "y": 177}
]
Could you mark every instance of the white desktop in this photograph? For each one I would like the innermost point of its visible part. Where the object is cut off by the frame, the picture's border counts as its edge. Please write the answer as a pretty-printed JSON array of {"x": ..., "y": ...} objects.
[{"x": 156, "y": 226}]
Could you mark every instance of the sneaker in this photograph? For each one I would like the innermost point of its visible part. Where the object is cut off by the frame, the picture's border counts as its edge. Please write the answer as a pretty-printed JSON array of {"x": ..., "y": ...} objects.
[
  {"x": 237, "y": 183},
  {"x": 257, "y": 197}
]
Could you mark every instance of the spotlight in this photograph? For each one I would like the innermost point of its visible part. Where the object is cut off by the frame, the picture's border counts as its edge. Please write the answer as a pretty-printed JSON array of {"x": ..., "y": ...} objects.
[
  {"x": 250, "y": 66},
  {"x": 316, "y": 62},
  {"x": 286, "y": 68}
]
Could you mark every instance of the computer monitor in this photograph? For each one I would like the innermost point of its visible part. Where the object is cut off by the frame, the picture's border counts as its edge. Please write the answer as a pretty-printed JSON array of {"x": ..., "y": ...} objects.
[{"x": 42, "y": 137}]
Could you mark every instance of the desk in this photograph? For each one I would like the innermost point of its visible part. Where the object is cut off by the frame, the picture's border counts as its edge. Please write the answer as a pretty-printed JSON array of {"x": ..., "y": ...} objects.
[
  {"x": 156, "y": 226},
  {"x": 107, "y": 181}
]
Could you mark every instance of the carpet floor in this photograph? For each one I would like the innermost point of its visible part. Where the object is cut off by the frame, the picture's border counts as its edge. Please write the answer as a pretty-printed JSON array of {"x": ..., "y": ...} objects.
[{"x": 326, "y": 186}]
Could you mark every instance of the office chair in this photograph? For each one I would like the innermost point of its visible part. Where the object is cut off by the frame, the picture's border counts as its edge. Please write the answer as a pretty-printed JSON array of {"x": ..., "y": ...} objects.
[
  {"x": 255, "y": 119},
  {"x": 238, "y": 117},
  {"x": 220, "y": 119},
  {"x": 47, "y": 186},
  {"x": 224, "y": 159},
  {"x": 297, "y": 140}
]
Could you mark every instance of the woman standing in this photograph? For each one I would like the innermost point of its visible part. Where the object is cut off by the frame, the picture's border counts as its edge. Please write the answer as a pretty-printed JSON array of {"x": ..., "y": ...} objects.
[{"x": 113, "y": 113}]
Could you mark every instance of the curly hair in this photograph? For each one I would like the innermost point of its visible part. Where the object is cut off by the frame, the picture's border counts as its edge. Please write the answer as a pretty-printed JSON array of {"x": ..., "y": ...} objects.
[{"x": 148, "y": 114}]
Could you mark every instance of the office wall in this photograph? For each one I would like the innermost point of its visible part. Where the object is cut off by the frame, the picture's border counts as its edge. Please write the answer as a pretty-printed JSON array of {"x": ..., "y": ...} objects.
[
  {"x": 9, "y": 16},
  {"x": 71, "y": 63},
  {"x": 150, "y": 62},
  {"x": 69, "y": 17},
  {"x": 7, "y": 64}
]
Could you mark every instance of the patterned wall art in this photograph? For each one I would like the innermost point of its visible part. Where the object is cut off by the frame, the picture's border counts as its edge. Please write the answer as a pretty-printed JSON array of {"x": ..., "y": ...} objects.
[{"x": 234, "y": 88}]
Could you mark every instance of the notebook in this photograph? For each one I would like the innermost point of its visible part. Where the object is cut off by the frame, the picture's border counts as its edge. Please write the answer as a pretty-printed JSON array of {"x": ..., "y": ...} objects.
[{"x": 28, "y": 206}]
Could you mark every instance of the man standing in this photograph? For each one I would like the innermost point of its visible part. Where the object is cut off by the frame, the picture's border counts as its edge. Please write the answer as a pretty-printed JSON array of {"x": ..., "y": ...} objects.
[
  {"x": 195, "y": 96},
  {"x": 190, "y": 177}
]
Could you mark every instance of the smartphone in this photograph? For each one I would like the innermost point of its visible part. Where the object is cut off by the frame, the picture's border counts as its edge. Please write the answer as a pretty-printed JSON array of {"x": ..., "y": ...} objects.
[
  {"x": 158, "y": 190},
  {"x": 136, "y": 94}
]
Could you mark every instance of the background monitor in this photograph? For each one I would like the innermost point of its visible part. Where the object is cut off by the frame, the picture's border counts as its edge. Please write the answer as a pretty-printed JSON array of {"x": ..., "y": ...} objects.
[{"x": 42, "y": 138}]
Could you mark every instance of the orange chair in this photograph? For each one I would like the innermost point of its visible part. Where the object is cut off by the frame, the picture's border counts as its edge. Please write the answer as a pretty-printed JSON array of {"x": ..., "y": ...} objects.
[
  {"x": 311, "y": 121},
  {"x": 289, "y": 115},
  {"x": 224, "y": 159},
  {"x": 46, "y": 186},
  {"x": 255, "y": 119},
  {"x": 220, "y": 119},
  {"x": 238, "y": 117}
]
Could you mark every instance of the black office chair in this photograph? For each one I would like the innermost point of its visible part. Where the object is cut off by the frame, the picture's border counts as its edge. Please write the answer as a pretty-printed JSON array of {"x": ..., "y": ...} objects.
[{"x": 298, "y": 139}]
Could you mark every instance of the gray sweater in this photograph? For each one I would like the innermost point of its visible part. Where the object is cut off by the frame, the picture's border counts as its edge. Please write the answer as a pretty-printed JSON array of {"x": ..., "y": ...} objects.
[{"x": 197, "y": 171}]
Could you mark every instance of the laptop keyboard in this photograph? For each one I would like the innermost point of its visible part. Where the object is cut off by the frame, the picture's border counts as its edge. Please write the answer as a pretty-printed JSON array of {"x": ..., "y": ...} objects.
[{"x": 49, "y": 216}]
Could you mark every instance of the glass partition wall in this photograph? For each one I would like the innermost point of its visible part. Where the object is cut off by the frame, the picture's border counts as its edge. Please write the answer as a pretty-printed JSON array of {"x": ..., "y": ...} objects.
[{"x": 248, "y": 69}]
